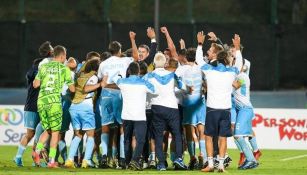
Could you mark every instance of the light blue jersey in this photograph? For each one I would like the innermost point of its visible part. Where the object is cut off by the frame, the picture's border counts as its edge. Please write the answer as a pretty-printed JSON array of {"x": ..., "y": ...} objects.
[
  {"x": 194, "y": 104},
  {"x": 244, "y": 108}
]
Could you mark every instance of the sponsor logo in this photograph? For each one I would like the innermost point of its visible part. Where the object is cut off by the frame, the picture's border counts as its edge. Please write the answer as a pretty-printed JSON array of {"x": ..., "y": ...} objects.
[
  {"x": 11, "y": 116},
  {"x": 287, "y": 127},
  {"x": 12, "y": 136}
]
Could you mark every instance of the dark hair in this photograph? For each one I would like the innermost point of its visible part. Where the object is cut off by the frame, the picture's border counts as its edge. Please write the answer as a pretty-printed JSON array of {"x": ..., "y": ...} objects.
[
  {"x": 133, "y": 69},
  {"x": 128, "y": 52},
  {"x": 114, "y": 47},
  {"x": 92, "y": 54},
  {"x": 172, "y": 64},
  {"x": 58, "y": 50},
  {"x": 143, "y": 67},
  {"x": 191, "y": 54},
  {"x": 92, "y": 65},
  {"x": 145, "y": 47},
  {"x": 37, "y": 61},
  {"x": 182, "y": 52},
  {"x": 105, "y": 55},
  {"x": 222, "y": 57},
  {"x": 45, "y": 50},
  {"x": 217, "y": 48}
]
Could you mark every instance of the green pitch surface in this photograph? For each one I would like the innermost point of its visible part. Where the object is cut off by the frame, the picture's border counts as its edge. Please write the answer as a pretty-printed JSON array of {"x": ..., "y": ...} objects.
[{"x": 279, "y": 162}]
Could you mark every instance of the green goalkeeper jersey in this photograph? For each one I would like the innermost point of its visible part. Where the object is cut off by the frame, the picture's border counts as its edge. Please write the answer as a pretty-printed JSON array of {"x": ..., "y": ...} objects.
[{"x": 52, "y": 76}]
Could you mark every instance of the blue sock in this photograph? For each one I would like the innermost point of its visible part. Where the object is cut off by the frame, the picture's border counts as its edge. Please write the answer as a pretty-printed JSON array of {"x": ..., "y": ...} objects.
[
  {"x": 121, "y": 146},
  {"x": 20, "y": 151},
  {"x": 104, "y": 143},
  {"x": 74, "y": 147},
  {"x": 38, "y": 132},
  {"x": 202, "y": 147},
  {"x": 173, "y": 156},
  {"x": 246, "y": 150},
  {"x": 238, "y": 145},
  {"x": 253, "y": 143},
  {"x": 191, "y": 148},
  {"x": 114, "y": 152},
  {"x": 62, "y": 149},
  {"x": 89, "y": 148}
]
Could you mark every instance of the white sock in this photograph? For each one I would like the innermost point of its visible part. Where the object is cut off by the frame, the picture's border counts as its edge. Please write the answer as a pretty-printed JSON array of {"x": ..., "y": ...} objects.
[
  {"x": 221, "y": 163},
  {"x": 210, "y": 162}
]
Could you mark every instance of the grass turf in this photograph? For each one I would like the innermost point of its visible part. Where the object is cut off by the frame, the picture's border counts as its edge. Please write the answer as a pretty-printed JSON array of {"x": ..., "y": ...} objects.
[{"x": 270, "y": 163}]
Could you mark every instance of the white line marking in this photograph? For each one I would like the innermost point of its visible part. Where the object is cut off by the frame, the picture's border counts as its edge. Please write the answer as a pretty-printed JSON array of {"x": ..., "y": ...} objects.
[{"x": 295, "y": 157}]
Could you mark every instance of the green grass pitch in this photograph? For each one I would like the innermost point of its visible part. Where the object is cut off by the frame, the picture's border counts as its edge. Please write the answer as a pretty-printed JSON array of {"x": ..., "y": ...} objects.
[{"x": 270, "y": 163}]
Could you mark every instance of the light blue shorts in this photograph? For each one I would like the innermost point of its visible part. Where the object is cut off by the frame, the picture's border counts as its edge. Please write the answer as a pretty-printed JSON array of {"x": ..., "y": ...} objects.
[
  {"x": 195, "y": 114},
  {"x": 31, "y": 119},
  {"x": 233, "y": 115},
  {"x": 243, "y": 126},
  {"x": 110, "y": 106},
  {"x": 82, "y": 117}
]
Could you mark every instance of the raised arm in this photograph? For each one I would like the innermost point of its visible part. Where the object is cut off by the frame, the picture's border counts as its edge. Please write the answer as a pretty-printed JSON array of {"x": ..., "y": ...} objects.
[
  {"x": 153, "y": 46},
  {"x": 170, "y": 43},
  {"x": 199, "y": 57},
  {"x": 135, "y": 53},
  {"x": 182, "y": 44},
  {"x": 214, "y": 38},
  {"x": 239, "y": 59}
]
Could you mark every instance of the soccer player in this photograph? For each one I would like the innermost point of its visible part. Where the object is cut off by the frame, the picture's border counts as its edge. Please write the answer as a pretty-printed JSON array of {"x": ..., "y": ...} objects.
[
  {"x": 165, "y": 111},
  {"x": 245, "y": 114},
  {"x": 82, "y": 112},
  {"x": 50, "y": 78},
  {"x": 134, "y": 91},
  {"x": 219, "y": 80},
  {"x": 211, "y": 58},
  {"x": 194, "y": 108},
  {"x": 31, "y": 116},
  {"x": 110, "y": 100},
  {"x": 66, "y": 102}
]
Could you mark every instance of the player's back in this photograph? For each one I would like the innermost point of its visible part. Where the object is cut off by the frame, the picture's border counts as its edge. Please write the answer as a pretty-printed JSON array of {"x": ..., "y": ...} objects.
[
  {"x": 164, "y": 83},
  {"x": 53, "y": 76},
  {"x": 114, "y": 66},
  {"x": 191, "y": 75},
  {"x": 242, "y": 95},
  {"x": 219, "y": 85}
]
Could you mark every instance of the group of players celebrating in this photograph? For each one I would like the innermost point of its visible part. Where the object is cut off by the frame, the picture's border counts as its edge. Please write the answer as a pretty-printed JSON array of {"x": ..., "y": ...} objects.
[{"x": 133, "y": 101}]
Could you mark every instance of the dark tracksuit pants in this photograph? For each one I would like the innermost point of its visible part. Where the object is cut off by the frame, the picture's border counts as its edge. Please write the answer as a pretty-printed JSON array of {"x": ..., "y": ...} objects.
[
  {"x": 138, "y": 128},
  {"x": 163, "y": 117}
]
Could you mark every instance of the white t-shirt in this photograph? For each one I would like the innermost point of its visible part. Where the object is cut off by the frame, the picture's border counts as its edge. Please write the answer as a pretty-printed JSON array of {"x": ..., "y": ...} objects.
[
  {"x": 199, "y": 57},
  {"x": 248, "y": 65},
  {"x": 88, "y": 99},
  {"x": 164, "y": 83},
  {"x": 65, "y": 87},
  {"x": 219, "y": 85},
  {"x": 114, "y": 66},
  {"x": 192, "y": 76},
  {"x": 44, "y": 61},
  {"x": 134, "y": 91},
  {"x": 242, "y": 95}
]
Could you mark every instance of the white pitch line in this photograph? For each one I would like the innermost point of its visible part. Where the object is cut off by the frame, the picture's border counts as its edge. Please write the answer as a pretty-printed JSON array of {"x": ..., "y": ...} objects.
[{"x": 295, "y": 157}]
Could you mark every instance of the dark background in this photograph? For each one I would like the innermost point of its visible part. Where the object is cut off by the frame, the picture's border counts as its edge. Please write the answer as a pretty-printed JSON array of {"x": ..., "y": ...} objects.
[{"x": 272, "y": 32}]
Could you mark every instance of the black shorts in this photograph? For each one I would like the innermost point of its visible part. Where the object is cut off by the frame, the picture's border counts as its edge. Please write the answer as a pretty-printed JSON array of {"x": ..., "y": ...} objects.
[{"x": 218, "y": 122}]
